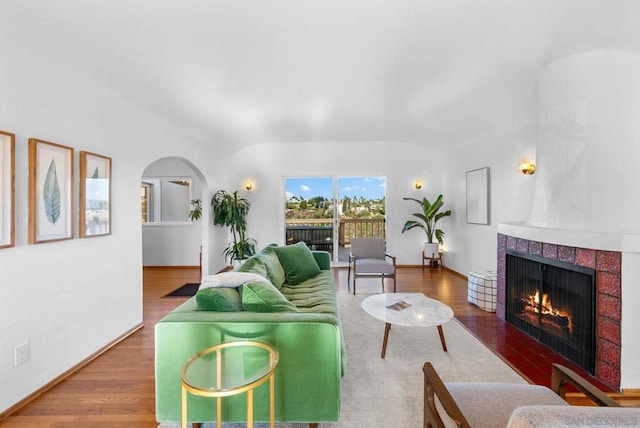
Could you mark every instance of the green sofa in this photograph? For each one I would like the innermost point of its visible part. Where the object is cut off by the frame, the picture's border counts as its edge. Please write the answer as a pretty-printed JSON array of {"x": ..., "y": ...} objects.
[{"x": 307, "y": 335}]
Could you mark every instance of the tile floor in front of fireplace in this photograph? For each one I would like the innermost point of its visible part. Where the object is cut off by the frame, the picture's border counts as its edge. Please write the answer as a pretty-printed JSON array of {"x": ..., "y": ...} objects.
[{"x": 531, "y": 358}]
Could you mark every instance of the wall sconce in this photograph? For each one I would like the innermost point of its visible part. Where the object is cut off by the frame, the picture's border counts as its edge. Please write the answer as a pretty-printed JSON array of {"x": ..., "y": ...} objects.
[
  {"x": 418, "y": 184},
  {"x": 248, "y": 186},
  {"x": 527, "y": 168}
]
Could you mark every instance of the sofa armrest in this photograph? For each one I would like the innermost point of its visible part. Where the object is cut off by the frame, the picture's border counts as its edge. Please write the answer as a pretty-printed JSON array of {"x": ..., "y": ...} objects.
[
  {"x": 323, "y": 258},
  {"x": 435, "y": 390},
  {"x": 561, "y": 375}
]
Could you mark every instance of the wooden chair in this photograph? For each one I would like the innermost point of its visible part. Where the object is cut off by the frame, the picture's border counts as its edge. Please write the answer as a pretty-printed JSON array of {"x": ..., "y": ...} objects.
[
  {"x": 368, "y": 258},
  {"x": 480, "y": 404}
]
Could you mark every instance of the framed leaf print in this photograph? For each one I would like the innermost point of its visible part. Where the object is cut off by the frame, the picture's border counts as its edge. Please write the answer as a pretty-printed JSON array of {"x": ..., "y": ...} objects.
[
  {"x": 50, "y": 192},
  {"x": 7, "y": 189},
  {"x": 95, "y": 195}
]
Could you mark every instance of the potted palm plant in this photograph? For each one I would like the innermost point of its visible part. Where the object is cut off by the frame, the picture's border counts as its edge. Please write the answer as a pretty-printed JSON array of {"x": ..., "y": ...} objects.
[
  {"x": 428, "y": 218},
  {"x": 230, "y": 210}
]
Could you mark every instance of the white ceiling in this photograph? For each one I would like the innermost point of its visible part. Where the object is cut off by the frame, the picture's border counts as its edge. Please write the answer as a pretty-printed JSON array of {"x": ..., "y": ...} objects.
[{"x": 247, "y": 71}]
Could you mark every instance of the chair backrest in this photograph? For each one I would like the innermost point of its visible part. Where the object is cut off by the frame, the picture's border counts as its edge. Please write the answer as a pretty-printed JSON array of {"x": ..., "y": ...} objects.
[{"x": 368, "y": 248}]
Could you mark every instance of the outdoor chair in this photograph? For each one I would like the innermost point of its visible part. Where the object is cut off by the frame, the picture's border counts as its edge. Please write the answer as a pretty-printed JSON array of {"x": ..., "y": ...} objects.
[
  {"x": 488, "y": 404},
  {"x": 368, "y": 258}
]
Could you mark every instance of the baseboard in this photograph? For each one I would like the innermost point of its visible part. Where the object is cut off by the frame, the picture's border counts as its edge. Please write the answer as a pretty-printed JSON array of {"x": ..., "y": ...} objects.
[
  {"x": 458, "y": 274},
  {"x": 171, "y": 267},
  {"x": 20, "y": 404}
]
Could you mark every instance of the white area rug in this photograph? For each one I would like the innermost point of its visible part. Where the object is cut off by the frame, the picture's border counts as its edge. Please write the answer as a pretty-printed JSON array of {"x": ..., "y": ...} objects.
[{"x": 389, "y": 392}]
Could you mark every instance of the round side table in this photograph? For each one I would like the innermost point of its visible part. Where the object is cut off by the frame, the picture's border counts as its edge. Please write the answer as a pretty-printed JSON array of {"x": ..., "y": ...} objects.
[{"x": 228, "y": 369}]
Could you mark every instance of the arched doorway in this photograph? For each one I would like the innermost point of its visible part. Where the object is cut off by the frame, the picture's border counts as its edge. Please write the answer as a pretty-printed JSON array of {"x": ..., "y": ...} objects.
[{"x": 169, "y": 238}]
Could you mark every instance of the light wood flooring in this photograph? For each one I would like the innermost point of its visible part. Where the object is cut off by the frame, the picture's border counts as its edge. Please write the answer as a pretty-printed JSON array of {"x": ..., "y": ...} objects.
[{"x": 117, "y": 388}]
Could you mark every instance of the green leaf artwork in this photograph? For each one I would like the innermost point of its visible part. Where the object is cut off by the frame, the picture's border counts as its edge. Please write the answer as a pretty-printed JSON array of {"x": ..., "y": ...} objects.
[
  {"x": 96, "y": 174},
  {"x": 51, "y": 194}
]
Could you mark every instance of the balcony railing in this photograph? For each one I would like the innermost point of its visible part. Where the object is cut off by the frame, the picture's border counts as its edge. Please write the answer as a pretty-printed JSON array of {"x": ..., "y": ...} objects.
[
  {"x": 359, "y": 228},
  {"x": 318, "y": 233}
]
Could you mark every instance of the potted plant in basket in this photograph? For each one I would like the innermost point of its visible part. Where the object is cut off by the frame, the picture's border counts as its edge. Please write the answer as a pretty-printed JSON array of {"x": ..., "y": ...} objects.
[
  {"x": 230, "y": 210},
  {"x": 429, "y": 216}
]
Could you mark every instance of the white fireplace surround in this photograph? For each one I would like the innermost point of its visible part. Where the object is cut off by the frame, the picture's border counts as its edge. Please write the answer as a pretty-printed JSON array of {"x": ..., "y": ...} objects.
[
  {"x": 586, "y": 156},
  {"x": 629, "y": 246}
]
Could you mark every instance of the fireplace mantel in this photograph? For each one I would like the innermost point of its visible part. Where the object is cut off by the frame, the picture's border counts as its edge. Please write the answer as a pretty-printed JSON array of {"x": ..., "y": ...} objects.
[{"x": 624, "y": 243}]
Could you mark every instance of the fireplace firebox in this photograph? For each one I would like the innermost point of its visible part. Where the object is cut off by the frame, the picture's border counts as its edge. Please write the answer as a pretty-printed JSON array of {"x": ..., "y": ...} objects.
[{"x": 554, "y": 302}]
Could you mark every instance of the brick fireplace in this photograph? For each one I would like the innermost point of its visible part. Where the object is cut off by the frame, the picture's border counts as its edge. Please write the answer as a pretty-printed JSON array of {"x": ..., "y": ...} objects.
[{"x": 607, "y": 265}]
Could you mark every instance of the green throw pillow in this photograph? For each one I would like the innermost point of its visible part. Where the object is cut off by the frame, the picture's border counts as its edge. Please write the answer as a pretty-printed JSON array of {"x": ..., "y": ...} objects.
[
  {"x": 298, "y": 263},
  {"x": 254, "y": 265},
  {"x": 274, "y": 268},
  {"x": 262, "y": 296},
  {"x": 219, "y": 299}
]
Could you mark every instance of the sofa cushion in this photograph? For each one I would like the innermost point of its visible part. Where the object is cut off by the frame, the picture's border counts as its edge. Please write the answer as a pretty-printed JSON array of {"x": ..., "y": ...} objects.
[
  {"x": 298, "y": 263},
  {"x": 219, "y": 299},
  {"x": 275, "y": 272},
  {"x": 315, "y": 295},
  {"x": 262, "y": 296},
  {"x": 254, "y": 265},
  {"x": 491, "y": 404},
  {"x": 579, "y": 416}
]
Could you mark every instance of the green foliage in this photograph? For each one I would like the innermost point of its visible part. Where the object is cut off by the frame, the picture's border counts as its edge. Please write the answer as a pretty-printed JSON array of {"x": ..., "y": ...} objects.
[
  {"x": 429, "y": 216},
  {"x": 231, "y": 210},
  {"x": 321, "y": 207},
  {"x": 196, "y": 210}
]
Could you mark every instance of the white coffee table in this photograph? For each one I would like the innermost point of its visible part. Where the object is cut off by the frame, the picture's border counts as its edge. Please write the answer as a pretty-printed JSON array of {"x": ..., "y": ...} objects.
[{"x": 422, "y": 312}]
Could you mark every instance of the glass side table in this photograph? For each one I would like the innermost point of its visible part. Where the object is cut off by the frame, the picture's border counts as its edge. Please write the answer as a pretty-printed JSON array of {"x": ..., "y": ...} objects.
[{"x": 228, "y": 369}]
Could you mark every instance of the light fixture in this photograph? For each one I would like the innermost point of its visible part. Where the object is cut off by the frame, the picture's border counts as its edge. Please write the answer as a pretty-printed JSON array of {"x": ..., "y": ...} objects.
[
  {"x": 418, "y": 184},
  {"x": 248, "y": 186},
  {"x": 527, "y": 168}
]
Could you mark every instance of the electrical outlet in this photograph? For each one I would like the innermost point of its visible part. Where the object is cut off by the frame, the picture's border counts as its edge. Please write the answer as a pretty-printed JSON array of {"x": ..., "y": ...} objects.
[{"x": 21, "y": 354}]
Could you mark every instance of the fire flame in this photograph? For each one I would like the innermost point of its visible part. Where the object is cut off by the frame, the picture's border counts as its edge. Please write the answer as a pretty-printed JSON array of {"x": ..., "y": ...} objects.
[{"x": 545, "y": 307}]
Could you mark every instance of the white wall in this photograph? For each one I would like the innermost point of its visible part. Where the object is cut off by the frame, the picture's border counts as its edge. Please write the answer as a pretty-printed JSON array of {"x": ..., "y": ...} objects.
[
  {"x": 587, "y": 156},
  {"x": 588, "y": 149},
  {"x": 472, "y": 247},
  {"x": 70, "y": 298},
  {"x": 401, "y": 163}
]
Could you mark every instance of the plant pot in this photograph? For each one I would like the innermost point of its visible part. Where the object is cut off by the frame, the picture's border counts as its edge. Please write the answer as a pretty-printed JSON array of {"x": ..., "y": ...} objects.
[
  {"x": 237, "y": 263},
  {"x": 431, "y": 249}
]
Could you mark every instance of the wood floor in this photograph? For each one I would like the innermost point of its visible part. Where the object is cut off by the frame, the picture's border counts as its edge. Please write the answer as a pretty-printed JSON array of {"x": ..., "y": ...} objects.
[{"x": 117, "y": 388}]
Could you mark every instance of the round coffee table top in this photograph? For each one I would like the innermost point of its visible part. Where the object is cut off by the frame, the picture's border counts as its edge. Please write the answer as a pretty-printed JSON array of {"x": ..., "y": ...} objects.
[{"x": 420, "y": 310}]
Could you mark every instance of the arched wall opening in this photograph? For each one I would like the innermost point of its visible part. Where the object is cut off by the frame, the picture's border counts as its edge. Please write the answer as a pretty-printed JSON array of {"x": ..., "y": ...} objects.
[{"x": 173, "y": 240}]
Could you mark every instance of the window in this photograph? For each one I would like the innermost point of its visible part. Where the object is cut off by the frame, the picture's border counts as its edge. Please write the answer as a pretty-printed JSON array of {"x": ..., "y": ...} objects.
[
  {"x": 323, "y": 211},
  {"x": 165, "y": 199}
]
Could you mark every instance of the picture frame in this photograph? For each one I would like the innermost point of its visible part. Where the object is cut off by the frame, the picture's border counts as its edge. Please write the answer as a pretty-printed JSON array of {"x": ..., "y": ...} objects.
[
  {"x": 7, "y": 189},
  {"x": 95, "y": 195},
  {"x": 478, "y": 196},
  {"x": 50, "y": 191}
]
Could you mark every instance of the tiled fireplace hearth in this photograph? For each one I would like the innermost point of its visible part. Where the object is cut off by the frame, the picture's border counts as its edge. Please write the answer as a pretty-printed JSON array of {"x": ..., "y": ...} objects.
[{"x": 607, "y": 265}]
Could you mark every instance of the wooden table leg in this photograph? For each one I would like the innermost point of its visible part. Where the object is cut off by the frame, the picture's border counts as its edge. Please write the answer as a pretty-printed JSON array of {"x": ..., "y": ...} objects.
[
  {"x": 387, "y": 327},
  {"x": 441, "y": 333}
]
